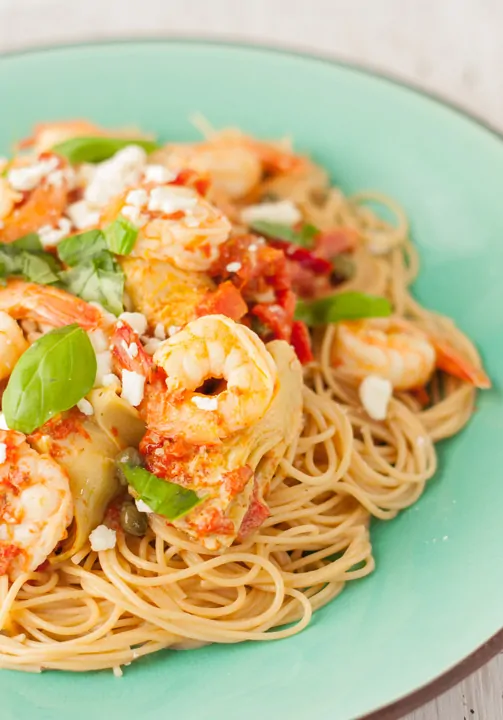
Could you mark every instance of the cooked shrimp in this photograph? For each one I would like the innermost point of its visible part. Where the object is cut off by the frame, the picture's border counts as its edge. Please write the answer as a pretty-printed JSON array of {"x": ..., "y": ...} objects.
[
  {"x": 163, "y": 293},
  {"x": 36, "y": 505},
  {"x": 176, "y": 224},
  {"x": 394, "y": 349},
  {"x": 214, "y": 347},
  {"x": 47, "y": 135},
  {"x": 12, "y": 344},
  {"x": 234, "y": 162},
  {"x": 49, "y": 305},
  {"x": 33, "y": 196}
]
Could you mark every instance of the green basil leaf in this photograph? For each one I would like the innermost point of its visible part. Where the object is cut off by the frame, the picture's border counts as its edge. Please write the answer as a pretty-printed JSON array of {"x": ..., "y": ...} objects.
[
  {"x": 38, "y": 269},
  {"x": 165, "y": 498},
  {"x": 50, "y": 377},
  {"x": 81, "y": 248},
  {"x": 98, "y": 149},
  {"x": 344, "y": 306},
  {"x": 303, "y": 237},
  {"x": 30, "y": 243},
  {"x": 121, "y": 236},
  {"x": 99, "y": 280}
]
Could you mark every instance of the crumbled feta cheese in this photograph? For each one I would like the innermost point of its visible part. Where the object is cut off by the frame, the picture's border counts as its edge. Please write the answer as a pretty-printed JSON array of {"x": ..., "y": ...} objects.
[
  {"x": 28, "y": 177},
  {"x": 133, "y": 350},
  {"x": 138, "y": 197},
  {"x": 50, "y": 236},
  {"x": 151, "y": 345},
  {"x": 56, "y": 178},
  {"x": 99, "y": 340},
  {"x": 205, "y": 403},
  {"x": 266, "y": 297},
  {"x": 173, "y": 329},
  {"x": 82, "y": 215},
  {"x": 133, "y": 385},
  {"x": 85, "y": 407},
  {"x": 113, "y": 176},
  {"x": 143, "y": 507},
  {"x": 160, "y": 332},
  {"x": 170, "y": 198},
  {"x": 103, "y": 367},
  {"x": 117, "y": 671},
  {"x": 233, "y": 267},
  {"x": 102, "y": 538},
  {"x": 283, "y": 211},
  {"x": 191, "y": 221},
  {"x": 134, "y": 215},
  {"x": 137, "y": 321},
  {"x": 158, "y": 174},
  {"x": 375, "y": 393},
  {"x": 110, "y": 380},
  {"x": 3, "y": 453},
  {"x": 253, "y": 247},
  {"x": 3, "y": 422}
]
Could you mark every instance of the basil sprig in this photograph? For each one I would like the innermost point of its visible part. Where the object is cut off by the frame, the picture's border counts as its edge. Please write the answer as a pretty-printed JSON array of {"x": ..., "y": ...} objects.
[
  {"x": 50, "y": 377},
  {"x": 93, "y": 273},
  {"x": 303, "y": 237},
  {"x": 98, "y": 149},
  {"x": 165, "y": 498},
  {"x": 26, "y": 258},
  {"x": 120, "y": 236},
  {"x": 343, "y": 306}
]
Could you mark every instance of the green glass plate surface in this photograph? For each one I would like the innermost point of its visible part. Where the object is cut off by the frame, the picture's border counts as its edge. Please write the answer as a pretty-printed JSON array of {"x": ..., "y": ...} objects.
[{"x": 436, "y": 593}]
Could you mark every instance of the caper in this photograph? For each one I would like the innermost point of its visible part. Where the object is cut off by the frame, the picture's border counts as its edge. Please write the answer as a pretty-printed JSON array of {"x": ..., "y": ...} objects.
[
  {"x": 133, "y": 521},
  {"x": 129, "y": 455}
]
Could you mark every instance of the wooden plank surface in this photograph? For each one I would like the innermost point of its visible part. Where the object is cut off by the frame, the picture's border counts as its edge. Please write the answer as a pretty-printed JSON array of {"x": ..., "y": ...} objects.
[{"x": 452, "y": 47}]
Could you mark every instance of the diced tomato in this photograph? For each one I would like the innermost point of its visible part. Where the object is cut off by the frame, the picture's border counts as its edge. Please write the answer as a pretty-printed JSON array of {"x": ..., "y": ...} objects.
[
  {"x": 235, "y": 481},
  {"x": 122, "y": 338},
  {"x": 301, "y": 342},
  {"x": 192, "y": 178},
  {"x": 167, "y": 457},
  {"x": 330, "y": 243},
  {"x": 226, "y": 300},
  {"x": 255, "y": 515},
  {"x": 304, "y": 257}
]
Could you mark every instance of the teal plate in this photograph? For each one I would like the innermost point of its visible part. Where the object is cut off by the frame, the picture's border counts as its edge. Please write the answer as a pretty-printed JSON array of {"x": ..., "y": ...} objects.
[{"x": 436, "y": 593}]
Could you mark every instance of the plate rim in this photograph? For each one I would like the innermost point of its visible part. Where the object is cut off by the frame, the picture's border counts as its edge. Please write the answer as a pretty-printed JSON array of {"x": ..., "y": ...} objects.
[{"x": 485, "y": 652}]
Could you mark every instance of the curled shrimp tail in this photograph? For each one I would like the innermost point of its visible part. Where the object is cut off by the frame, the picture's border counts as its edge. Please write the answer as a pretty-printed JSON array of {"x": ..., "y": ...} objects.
[
  {"x": 452, "y": 362},
  {"x": 23, "y": 300}
]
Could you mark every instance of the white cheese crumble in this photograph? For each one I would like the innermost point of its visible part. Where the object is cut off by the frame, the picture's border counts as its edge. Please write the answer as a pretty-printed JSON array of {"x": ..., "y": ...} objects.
[
  {"x": 137, "y": 321},
  {"x": 233, "y": 267},
  {"x": 158, "y": 174},
  {"x": 102, "y": 538},
  {"x": 134, "y": 215},
  {"x": 170, "y": 199},
  {"x": 205, "y": 403},
  {"x": 103, "y": 367},
  {"x": 133, "y": 385},
  {"x": 133, "y": 350},
  {"x": 138, "y": 197},
  {"x": 82, "y": 215},
  {"x": 3, "y": 453},
  {"x": 99, "y": 340},
  {"x": 143, "y": 507},
  {"x": 160, "y": 332},
  {"x": 375, "y": 393},
  {"x": 110, "y": 380},
  {"x": 27, "y": 178},
  {"x": 85, "y": 407},
  {"x": 151, "y": 345},
  {"x": 173, "y": 329},
  {"x": 282, "y": 211},
  {"x": 50, "y": 236},
  {"x": 113, "y": 176},
  {"x": 3, "y": 422}
]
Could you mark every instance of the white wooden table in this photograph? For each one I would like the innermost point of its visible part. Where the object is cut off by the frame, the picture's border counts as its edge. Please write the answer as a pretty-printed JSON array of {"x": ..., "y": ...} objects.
[{"x": 453, "y": 47}]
